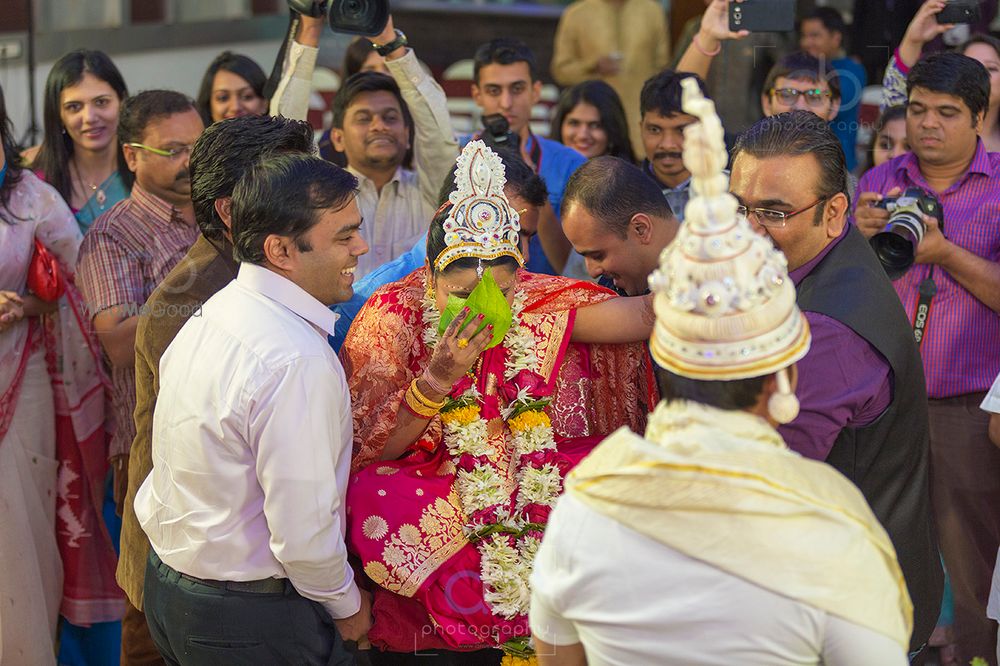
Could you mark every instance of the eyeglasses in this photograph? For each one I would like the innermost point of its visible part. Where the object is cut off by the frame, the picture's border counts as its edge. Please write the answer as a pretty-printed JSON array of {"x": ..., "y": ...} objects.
[
  {"x": 170, "y": 153},
  {"x": 775, "y": 219},
  {"x": 789, "y": 96}
]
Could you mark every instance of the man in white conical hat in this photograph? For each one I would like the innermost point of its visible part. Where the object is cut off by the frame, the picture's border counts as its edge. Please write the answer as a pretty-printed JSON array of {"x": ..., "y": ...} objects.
[{"x": 739, "y": 551}]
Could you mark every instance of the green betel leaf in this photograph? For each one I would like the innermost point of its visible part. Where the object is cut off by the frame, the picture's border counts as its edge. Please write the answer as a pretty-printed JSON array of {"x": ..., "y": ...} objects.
[{"x": 485, "y": 299}]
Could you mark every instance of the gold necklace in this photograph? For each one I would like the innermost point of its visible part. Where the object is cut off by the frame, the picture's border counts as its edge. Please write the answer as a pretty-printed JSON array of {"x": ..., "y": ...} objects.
[{"x": 99, "y": 194}]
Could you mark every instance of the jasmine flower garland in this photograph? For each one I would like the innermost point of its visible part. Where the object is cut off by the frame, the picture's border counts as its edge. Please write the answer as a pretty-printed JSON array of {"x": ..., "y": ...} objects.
[{"x": 505, "y": 527}]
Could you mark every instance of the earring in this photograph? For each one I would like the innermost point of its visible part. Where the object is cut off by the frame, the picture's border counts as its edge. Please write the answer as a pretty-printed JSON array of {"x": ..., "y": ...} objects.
[
  {"x": 783, "y": 406},
  {"x": 430, "y": 288}
]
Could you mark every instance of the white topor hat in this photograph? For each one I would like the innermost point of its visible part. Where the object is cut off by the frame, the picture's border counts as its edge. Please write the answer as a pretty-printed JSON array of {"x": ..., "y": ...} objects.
[{"x": 725, "y": 306}]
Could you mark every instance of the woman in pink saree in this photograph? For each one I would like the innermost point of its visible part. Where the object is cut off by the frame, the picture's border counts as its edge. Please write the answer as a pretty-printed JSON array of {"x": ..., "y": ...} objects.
[{"x": 464, "y": 431}]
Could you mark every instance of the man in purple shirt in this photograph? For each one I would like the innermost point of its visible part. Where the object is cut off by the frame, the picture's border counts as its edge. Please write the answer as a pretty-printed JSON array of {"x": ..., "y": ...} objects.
[
  {"x": 948, "y": 95},
  {"x": 861, "y": 386}
]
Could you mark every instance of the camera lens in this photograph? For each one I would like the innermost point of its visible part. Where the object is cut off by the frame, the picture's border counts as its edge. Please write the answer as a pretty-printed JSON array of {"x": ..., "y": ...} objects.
[
  {"x": 359, "y": 17},
  {"x": 896, "y": 247}
]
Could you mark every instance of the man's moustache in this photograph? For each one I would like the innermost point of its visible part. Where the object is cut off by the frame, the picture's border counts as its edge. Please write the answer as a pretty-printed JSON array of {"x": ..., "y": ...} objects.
[
  {"x": 183, "y": 175},
  {"x": 660, "y": 156}
]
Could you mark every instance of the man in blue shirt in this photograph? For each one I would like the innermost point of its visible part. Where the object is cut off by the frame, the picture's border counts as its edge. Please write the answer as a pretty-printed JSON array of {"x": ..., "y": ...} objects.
[
  {"x": 821, "y": 36},
  {"x": 506, "y": 82},
  {"x": 527, "y": 195}
]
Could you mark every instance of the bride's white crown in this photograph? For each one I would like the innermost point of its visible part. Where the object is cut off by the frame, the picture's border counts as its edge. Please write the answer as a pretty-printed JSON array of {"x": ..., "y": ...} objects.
[{"x": 481, "y": 223}]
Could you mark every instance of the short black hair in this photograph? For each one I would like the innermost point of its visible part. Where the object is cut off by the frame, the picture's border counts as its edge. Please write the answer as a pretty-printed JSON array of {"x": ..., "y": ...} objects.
[
  {"x": 730, "y": 395},
  {"x": 800, "y": 66},
  {"x": 283, "y": 195},
  {"x": 613, "y": 190},
  {"x": 225, "y": 151},
  {"x": 602, "y": 97},
  {"x": 366, "y": 82},
  {"x": 795, "y": 133},
  {"x": 953, "y": 74},
  {"x": 238, "y": 64},
  {"x": 662, "y": 93},
  {"x": 521, "y": 179},
  {"x": 829, "y": 17},
  {"x": 149, "y": 105},
  {"x": 504, "y": 51}
]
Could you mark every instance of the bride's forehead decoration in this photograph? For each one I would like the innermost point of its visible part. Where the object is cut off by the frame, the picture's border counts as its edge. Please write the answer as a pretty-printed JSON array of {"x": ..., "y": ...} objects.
[{"x": 481, "y": 223}]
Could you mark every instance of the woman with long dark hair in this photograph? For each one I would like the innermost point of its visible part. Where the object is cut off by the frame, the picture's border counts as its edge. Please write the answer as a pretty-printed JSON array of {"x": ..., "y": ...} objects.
[
  {"x": 233, "y": 86},
  {"x": 590, "y": 118},
  {"x": 80, "y": 155},
  {"x": 55, "y": 553}
]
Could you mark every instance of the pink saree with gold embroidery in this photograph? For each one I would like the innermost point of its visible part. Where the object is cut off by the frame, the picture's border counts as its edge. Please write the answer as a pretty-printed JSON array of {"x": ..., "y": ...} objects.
[{"x": 406, "y": 521}]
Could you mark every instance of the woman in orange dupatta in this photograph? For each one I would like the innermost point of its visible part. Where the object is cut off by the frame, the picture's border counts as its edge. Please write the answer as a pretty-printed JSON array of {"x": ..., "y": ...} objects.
[{"x": 460, "y": 450}]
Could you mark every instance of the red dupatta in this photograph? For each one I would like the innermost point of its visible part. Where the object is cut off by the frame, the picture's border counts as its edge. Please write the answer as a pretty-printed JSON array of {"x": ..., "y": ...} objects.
[{"x": 80, "y": 388}]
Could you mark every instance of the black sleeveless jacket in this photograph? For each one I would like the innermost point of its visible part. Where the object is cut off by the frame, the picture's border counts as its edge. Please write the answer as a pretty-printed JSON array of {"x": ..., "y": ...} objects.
[{"x": 887, "y": 460}]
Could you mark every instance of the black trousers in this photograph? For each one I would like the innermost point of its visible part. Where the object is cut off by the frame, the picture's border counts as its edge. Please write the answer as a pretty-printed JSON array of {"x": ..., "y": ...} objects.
[{"x": 194, "y": 624}]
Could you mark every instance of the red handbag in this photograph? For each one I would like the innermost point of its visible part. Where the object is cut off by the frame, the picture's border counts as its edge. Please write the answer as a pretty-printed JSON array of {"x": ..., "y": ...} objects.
[{"x": 44, "y": 280}]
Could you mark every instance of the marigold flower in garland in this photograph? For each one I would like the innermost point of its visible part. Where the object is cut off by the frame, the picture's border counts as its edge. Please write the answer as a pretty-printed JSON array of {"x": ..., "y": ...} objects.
[
  {"x": 461, "y": 416},
  {"x": 528, "y": 420}
]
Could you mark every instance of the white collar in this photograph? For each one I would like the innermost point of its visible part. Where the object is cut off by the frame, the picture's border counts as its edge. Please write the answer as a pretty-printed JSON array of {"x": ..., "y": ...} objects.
[{"x": 285, "y": 292}]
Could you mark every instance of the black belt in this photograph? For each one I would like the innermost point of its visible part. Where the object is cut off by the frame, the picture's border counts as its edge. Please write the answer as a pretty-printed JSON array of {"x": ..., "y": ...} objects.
[{"x": 263, "y": 586}]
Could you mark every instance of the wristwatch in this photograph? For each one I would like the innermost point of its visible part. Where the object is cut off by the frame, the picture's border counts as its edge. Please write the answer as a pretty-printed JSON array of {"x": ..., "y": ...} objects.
[{"x": 386, "y": 49}]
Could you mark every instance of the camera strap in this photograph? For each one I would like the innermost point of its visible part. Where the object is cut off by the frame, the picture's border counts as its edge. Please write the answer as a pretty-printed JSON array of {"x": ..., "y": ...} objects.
[
  {"x": 274, "y": 79},
  {"x": 927, "y": 291},
  {"x": 536, "y": 152}
]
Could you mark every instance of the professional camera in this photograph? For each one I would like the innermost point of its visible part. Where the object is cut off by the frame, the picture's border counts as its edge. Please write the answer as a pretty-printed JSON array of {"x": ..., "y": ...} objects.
[
  {"x": 496, "y": 133},
  {"x": 355, "y": 17},
  {"x": 896, "y": 245}
]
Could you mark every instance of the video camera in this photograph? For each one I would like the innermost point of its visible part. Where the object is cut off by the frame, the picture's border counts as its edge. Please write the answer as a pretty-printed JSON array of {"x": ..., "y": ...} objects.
[{"x": 354, "y": 17}]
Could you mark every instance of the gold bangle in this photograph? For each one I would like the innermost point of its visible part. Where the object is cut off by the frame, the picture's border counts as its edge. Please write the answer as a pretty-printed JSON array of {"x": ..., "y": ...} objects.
[
  {"x": 424, "y": 400},
  {"x": 417, "y": 407}
]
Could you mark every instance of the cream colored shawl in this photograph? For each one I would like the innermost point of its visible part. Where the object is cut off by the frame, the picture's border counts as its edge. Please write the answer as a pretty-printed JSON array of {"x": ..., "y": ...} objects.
[{"x": 722, "y": 487}]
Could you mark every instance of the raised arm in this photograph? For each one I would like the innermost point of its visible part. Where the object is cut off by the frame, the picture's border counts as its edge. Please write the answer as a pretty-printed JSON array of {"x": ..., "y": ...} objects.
[
  {"x": 707, "y": 42},
  {"x": 434, "y": 147},
  {"x": 449, "y": 363},
  {"x": 922, "y": 29},
  {"x": 617, "y": 320},
  {"x": 291, "y": 97}
]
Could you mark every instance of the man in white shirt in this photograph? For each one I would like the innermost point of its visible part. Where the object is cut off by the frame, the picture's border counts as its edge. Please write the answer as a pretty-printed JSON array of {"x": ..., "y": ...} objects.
[
  {"x": 373, "y": 115},
  {"x": 252, "y": 435}
]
